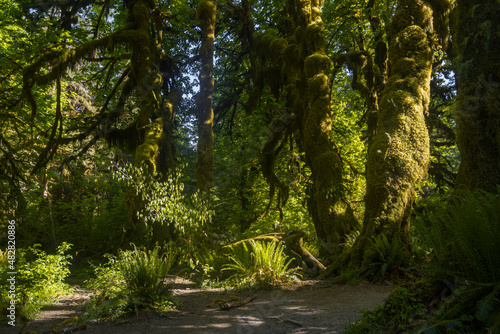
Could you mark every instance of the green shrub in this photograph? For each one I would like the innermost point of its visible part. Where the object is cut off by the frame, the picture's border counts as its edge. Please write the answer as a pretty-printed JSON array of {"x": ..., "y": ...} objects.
[
  {"x": 134, "y": 280},
  {"x": 262, "y": 264},
  {"x": 465, "y": 239},
  {"x": 39, "y": 280}
]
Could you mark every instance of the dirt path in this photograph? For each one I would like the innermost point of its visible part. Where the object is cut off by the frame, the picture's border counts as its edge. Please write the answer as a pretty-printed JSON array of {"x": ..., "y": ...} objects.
[{"x": 311, "y": 307}]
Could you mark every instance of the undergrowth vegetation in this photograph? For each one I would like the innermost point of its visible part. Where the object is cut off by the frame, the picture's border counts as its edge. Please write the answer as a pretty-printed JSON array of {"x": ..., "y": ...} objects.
[
  {"x": 131, "y": 281},
  {"x": 458, "y": 286},
  {"x": 40, "y": 279},
  {"x": 260, "y": 264}
]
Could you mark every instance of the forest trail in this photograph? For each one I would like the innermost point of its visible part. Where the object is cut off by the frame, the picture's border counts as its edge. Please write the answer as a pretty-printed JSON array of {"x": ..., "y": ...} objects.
[{"x": 308, "y": 307}]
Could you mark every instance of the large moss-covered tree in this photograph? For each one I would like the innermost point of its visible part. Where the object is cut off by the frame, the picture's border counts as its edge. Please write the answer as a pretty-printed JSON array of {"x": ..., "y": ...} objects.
[
  {"x": 292, "y": 64},
  {"x": 332, "y": 216},
  {"x": 399, "y": 155}
]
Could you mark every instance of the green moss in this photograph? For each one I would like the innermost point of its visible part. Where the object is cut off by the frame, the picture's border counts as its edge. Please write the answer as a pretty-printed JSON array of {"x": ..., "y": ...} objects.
[
  {"x": 410, "y": 42},
  {"x": 318, "y": 87},
  {"x": 415, "y": 13},
  {"x": 141, "y": 12},
  {"x": 314, "y": 36},
  {"x": 148, "y": 152},
  {"x": 278, "y": 45},
  {"x": 269, "y": 48},
  {"x": 206, "y": 10},
  {"x": 317, "y": 63},
  {"x": 316, "y": 13}
]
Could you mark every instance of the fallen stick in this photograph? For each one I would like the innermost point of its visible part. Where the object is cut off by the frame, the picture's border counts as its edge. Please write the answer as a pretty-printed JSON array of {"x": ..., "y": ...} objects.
[{"x": 226, "y": 306}]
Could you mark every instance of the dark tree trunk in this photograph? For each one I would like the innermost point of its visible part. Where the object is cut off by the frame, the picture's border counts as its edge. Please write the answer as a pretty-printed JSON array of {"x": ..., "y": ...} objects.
[
  {"x": 204, "y": 165},
  {"x": 477, "y": 111}
]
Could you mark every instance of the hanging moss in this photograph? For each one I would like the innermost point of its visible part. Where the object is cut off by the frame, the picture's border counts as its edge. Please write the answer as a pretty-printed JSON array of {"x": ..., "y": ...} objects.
[{"x": 269, "y": 48}]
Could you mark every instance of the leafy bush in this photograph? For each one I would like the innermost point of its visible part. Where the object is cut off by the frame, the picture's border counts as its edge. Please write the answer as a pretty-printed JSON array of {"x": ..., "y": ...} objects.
[
  {"x": 261, "y": 264},
  {"x": 83, "y": 206},
  {"x": 465, "y": 239},
  {"x": 134, "y": 280},
  {"x": 166, "y": 204},
  {"x": 39, "y": 280}
]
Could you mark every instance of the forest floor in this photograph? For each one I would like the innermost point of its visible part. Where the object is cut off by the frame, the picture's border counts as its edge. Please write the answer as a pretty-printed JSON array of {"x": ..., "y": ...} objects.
[{"x": 306, "y": 307}]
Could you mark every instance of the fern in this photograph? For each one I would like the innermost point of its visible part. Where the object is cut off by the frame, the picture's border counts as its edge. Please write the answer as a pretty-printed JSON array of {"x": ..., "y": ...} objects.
[
  {"x": 260, "y": 263},
  {"x": 465, "y": 239},
  {"x": 134, "y": 280},
  {"x": 489, "y": 304},
  {"x": 144, "y": 272},
  {"x": 389, "y": 255}
]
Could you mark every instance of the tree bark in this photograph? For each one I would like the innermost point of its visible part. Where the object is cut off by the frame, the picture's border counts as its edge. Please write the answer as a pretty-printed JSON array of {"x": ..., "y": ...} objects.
[
  {"x": 204, "y": 165},
  {"x": 477, "y": 110}
]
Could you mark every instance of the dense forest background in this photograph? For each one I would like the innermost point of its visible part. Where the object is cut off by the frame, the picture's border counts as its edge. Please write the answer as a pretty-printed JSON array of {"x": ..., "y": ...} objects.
[{"x": 363, "y": 135}]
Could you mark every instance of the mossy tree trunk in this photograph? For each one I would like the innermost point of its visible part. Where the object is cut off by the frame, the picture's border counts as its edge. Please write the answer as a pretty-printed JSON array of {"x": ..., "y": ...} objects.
[
  {"x": 332, "y": 216},
  {"x": 399, "y": 155},
  {"x": 155, "y": 149},
  {"x": 477, "y": 111},
  {"x": 299, "y": 69},
  {"x": 204, "y": 165}
]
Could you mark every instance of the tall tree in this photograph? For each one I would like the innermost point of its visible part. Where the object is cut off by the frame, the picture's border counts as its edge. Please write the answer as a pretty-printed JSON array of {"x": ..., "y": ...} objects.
[
  {"x": 138, "y": 87},
  {"x": 296, "y": 69},
  {"x": 399, "y": 155},
  {"x": 477, "y": 110},
  {"x": 332, "y": 216},
  {"x": 204, "y": 166}
]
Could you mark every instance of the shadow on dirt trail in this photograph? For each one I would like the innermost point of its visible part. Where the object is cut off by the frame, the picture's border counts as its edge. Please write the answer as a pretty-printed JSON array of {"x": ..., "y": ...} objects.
[{"x": 309, "y": 307}]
